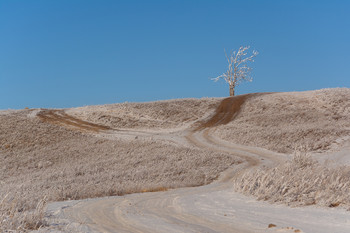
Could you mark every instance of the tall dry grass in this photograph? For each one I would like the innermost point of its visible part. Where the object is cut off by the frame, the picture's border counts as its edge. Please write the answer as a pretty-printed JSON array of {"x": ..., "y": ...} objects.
[
  {"x": 15, "y": 217},
  {"x": 301, "y": 181}
]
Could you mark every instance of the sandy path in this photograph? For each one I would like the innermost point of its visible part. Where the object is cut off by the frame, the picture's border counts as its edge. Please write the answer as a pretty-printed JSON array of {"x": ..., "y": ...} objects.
[
  {"x": 174, "y": 210},
  {"x": 210, "y": 208}
]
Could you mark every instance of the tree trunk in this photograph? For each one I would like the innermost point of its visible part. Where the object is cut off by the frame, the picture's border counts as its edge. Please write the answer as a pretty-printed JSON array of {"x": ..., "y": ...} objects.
[{"x": 232, "y": 90}]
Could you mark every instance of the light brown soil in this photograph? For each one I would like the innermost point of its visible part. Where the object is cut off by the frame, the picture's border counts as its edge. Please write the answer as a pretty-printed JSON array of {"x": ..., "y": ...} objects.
[
  {"x": 227, "y": 110},
  {"x": 59, "y": 117}
]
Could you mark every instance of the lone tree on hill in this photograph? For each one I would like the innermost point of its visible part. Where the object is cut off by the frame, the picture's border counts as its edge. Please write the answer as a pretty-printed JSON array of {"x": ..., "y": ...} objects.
[{"x": 238, "y": 69}]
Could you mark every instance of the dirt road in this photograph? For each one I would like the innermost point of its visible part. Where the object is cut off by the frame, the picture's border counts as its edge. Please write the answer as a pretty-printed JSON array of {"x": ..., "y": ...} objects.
[{"x": 211, "y": 208}]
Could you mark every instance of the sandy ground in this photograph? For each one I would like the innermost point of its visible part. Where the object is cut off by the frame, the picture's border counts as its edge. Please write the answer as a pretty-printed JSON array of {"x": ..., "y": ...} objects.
[
  {"x": 210, "y": 208},
  {"x": 246, "y": 133}
]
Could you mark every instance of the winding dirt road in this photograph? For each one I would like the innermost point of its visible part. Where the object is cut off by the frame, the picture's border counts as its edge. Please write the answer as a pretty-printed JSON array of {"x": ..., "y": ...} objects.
[{"x": 211, "y": 208}]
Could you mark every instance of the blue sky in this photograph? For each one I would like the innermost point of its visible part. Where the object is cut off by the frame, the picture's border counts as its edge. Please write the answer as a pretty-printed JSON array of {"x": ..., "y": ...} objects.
[{"x": 67, "y": 53}]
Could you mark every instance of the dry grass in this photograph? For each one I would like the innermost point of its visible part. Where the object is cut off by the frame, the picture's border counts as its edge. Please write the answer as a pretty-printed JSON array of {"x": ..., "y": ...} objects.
[
  {"x": 41, "y": 161},
  {"x": 283, "y": 121},
  {"x": 150, "y": 115},
  {"x": 13, "y": 216},
  {"x": 45, "y": 162},
  {"x": 302, "y": 181}
]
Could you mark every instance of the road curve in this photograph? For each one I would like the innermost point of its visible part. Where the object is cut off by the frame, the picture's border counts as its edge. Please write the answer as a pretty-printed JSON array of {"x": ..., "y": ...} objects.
[{"x": 210, "y": 208}]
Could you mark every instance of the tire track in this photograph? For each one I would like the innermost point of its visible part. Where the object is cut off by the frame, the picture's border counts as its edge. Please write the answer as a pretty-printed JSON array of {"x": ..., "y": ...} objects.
[
  {"x": 59, "y": 117},
  {"x": 178, "y": 210}
]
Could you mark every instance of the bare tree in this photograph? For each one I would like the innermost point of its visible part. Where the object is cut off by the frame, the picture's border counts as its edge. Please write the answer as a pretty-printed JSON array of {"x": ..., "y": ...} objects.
[{"x": 238, "y": 69}]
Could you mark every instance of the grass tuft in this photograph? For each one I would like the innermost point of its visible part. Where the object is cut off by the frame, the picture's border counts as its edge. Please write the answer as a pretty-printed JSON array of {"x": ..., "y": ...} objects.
[{"x": 300, "y": 182}]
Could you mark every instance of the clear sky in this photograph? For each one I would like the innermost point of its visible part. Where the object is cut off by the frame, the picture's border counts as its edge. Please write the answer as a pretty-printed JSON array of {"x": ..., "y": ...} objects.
[{"x": 65, "y": 53}]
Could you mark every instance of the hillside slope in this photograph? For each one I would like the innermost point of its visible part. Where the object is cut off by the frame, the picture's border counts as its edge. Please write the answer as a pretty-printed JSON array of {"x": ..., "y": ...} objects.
[
  {"x": 94, "y": 151},
  {"x": 150, "y": 115},
  {"x": 316, "y": 120},
  {"x": 50, "y": 160}
]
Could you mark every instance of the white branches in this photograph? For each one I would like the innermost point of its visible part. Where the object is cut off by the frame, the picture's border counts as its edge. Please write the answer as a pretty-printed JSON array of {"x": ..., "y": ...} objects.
[{"x": 238, "y": 69}]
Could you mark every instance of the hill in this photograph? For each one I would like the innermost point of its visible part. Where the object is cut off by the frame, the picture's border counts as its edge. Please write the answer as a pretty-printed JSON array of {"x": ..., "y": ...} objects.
[{"x": 62, "y": 154}]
